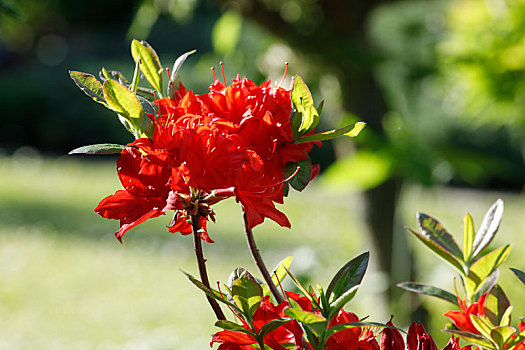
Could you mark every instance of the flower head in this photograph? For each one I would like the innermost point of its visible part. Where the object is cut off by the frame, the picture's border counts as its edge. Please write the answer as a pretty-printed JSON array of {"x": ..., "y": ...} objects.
[{"x": 461, "y": 319}]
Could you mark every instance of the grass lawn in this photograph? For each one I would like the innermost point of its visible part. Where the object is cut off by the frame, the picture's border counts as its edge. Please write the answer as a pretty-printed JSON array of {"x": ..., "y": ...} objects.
[{"x": 66, "y": 282}]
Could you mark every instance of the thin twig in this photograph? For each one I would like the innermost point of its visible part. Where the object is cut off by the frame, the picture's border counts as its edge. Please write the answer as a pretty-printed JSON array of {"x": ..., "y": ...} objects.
[
  {"x": 202, "y": 265},
  {"x": 258, "y": 259}
]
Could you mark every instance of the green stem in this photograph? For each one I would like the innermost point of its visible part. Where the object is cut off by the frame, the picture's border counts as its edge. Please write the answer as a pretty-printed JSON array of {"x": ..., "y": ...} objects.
[
  {"x": 258, "y": 259},
  {"x": 201, "y": 262}
]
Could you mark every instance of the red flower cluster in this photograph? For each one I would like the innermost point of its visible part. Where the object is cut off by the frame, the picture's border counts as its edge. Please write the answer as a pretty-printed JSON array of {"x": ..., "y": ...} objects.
[{"x": 231, "y": 142}]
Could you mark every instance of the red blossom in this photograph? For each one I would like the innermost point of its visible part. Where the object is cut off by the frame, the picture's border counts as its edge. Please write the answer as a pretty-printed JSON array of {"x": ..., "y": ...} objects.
[
  {"x": 419, "y": 339},
  {"x": 461, "y": 319},
  {"x": 233, "y": 141},
  {"x": 355, "y": 338},
  {"x": 391, "y": 338}
]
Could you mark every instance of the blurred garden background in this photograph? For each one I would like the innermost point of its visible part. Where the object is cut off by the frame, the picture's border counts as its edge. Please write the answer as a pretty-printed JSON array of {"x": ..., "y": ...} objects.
[{"x": 440, "y": 83}]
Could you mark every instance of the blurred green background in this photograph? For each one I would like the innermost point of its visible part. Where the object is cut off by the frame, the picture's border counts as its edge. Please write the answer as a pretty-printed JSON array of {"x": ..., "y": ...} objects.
[{"x": 440, "y": 84}]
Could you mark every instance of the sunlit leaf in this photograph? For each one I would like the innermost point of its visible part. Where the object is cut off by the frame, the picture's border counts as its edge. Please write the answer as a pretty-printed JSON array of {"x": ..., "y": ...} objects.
[
  {"x": 501, "y": 334},
  {"x": 302, "y": 289},
  {"x": 342, "y": 300},
  {"x": 488, "y": 228},
  {"x": 303, "y": 102},
  {"x": 429, "y": 290},
  {"x": 279, "y": 273},
  {"x": 438, "y": 249},
  {"x": 212, "y": 293},
  {"x": 433, "y": 230},
  {"x": 314, "y": 322},
  {"x": 484, "y": 266},
  {"x": 468, "y": 236},
  {"x": 247, "y": 295},
  {"x": 487, "y": 285},
  {"x": 505, "y": 319},
  {"x": 351, "y": 130},
  {"x": 101, "y": 148},
  {"x": 90, "y": 85},
  {"x": 150, "y": 67},
  {"x": 123, "y": 101},
  {"x": 481, "y": 325}
]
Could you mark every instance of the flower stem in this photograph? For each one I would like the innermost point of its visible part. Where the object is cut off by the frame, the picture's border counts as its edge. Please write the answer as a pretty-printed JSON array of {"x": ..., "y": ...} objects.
[
  {"x": 202, "y": 265},
  {"x": 258, "y": 259}
]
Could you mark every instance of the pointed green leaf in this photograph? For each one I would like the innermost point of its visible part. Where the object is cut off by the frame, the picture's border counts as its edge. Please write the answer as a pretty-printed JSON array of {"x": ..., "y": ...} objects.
[
  {"x": 349, "y": 276},
  {"x": 273, "y": 325},
  {"x": 247, "y": 294},
  {"x": 481, "y": 325},
  {"x": 178, "y": 63},
  {"x": 505, "y": 319},
  {"x": 299, "y": 173},
  {"x": 90, "y": 85},
  {"x": 436, "y": 248},
  {"x": 101, "y": 148},
  {"x": 487, "y": 285},
  {"x": 351, "y": 130},
  {"x": 150, "y": 67},
  {"x": 480, "y": 270},
  {"x": 433, "y": 230},
  {"x": 279, "y": 273},
  {"x": 304, "y": 104},
  {"x": 316, "y": 323},
  {"x": 123, "y": 101},
  {"x": 341, "y": 301},
  {"x": 471, "y": 337},
  {"x": 320, "y": 107},
  {"x": 488, "y": 228},
  {"x": 231, "y": 326},
  {"x": 302, "y": 289},
  {"x": 212, "y": 293},
  {"x": 501, "y": 334},
  {"x": 136, "y": 76},
  {"x": 468, "y": 236},
  {"x": 496, "y": 304},
  {"x": 429, "y": 290},
  {"x": 519, "y": 274}
]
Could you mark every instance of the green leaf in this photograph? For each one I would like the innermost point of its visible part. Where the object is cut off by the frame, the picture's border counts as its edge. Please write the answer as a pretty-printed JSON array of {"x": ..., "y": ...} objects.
[
  {"x": 421, "y": 288},
  {"x": 341, "y": 301},
  {"x": 438, "y": 249},
  {"x": 302, "y": 289},
  {"x": 496, "y": 304},
  {"x": 231, "y": 326},
  {"x": 123, "y": 101},
  {"x": 101, "y": 148},
  {"x": 505, "y": 319},
  {"x": 279, "y": 273},
  {"x": 488, "y": 228},
  {"x": 150, "y": 67},
  {"x": 247, "y": 294},
  {"x": 174, "y": 79},
  {"x": 484, "y": 266},
  {"x": 304, "y": 104},
  {"x": 501, "y": 334},
  {"x": 519, "y": 274},
  {"x": 432, "y": 229},
  {"x": 471, "y": 337},
  {"x": 349, "y": 276},
  {"x": 136, "y": 76},
  {"x": 316, "y": 323},
  {"x": 487, "y": 285},
  {"x": 212, "y": 293},
  {"x": 468, "y": 236},
  {"x": 351, "y": 130},
  {"x": 273, "y": 325},
  {"x": 481, "y": 325},
  {"x": 90, "y": 85},
  {"x": 299, "y": 173}
]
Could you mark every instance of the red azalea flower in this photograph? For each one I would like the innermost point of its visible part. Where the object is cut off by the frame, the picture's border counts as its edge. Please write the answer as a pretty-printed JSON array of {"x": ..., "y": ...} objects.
[
  {"x": 461, "y": 319},
  {"x": 418, "y": 339},
  {"x": 356, "y": 338},
  {"x": 453, "y": 344}
]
